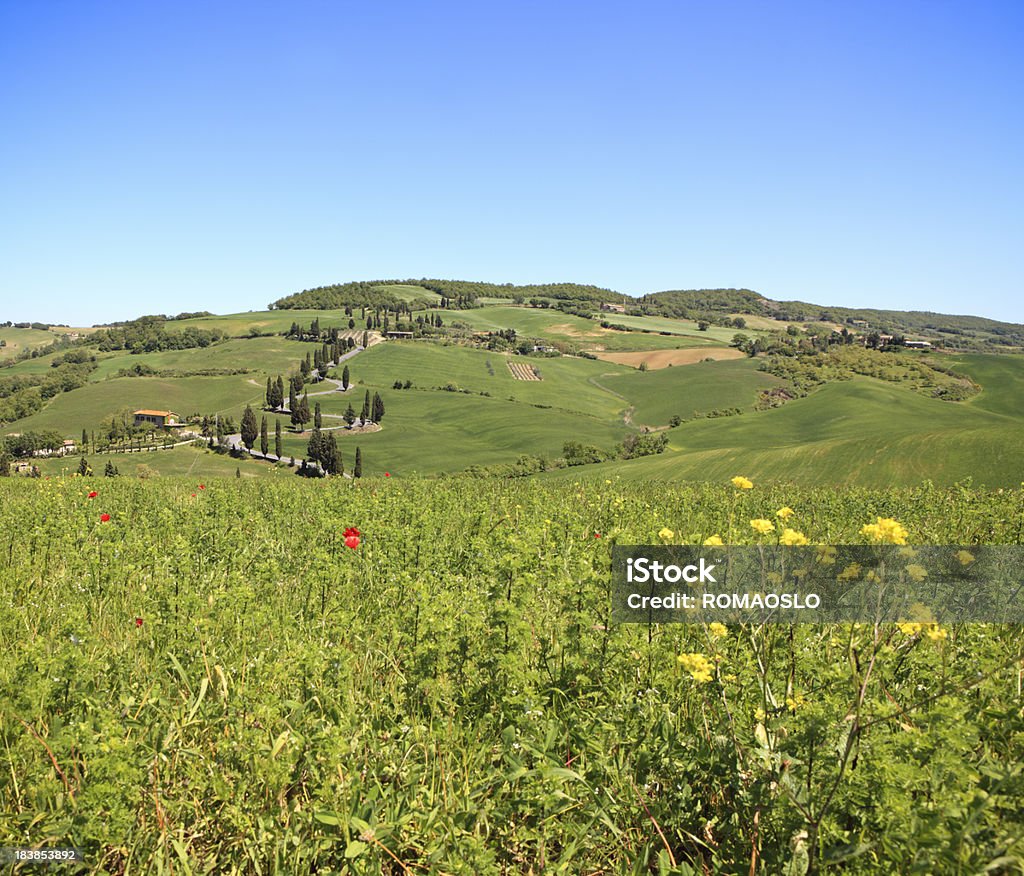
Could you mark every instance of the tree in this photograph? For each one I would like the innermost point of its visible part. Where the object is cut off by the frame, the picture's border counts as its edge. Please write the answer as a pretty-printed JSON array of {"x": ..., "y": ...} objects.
[
  {"x": 703, "y": 325},
  {"x": 318, "y": 419},
  {"x": 315, "y": 446},
  {"x": 111, "y": 470},
  {"x": 350, "y": 415},
  {"x": 365, "y": 415},
  {"x": 330, "y": 456},
  {"x": 6, "y": 458},
  {"x": 305, "y": 366},
  {"x": 351, "y": 324},
  {"x": 85, "y": 440},
  {"x": 84, "y": 469},
  {"x": 238, "y": 472},
  {"x": 264, "y": 438},
  {"x": 249, "y": 428},
  {"x": 278, "y": 393},
  {"x": 270, "y": 393},
  {"x": 277, "y": 439},
  {"x": 357, "y": 469},
  {"x": 344, "y": 378},
  {"x": 378, "y": 408},
  {"x": 366, "y": 340},
  {"x": 301, "y": 415}
]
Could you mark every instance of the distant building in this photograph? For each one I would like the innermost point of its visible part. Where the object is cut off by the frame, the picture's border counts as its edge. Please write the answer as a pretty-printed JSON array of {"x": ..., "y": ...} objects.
[
  {"x": 399, "y": 336},
  {"x": 163, "y": 419},
  {"x": 918, "y": 345},
  {"x": 613, "y": 308}
]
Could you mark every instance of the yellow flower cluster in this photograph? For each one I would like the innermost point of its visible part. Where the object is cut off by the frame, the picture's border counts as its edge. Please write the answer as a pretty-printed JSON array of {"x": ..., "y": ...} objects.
[
  {"x": 914, "y": 628},
  {"x": 700, "y": 668},
  {"x": 785, "y": 513},
  {"x": 965, "y": 557},
  {"x": 713, "y": 541},
  {"x": 885, "y": 530},
  {"x": 666, "y": 534},
  {"x": 762, "y": 526},
  {"x": 792, "y": 537},
  {"x": 917, "y": 572},
  {"x": 719, "y": 631},
  {"x": 742, "y": 483}
]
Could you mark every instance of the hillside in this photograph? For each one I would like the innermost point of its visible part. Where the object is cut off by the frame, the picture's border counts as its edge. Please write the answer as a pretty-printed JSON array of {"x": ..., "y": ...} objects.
[{"x": 792, "y": 405}]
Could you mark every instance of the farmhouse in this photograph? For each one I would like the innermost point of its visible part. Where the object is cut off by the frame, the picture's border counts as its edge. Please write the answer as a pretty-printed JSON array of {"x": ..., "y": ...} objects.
[
  {"x": 162, "y": 419},
  {"x": 918, "y": 345},
  {"x": 613, "y": 308},
  {"x": 399, "y": 336}
]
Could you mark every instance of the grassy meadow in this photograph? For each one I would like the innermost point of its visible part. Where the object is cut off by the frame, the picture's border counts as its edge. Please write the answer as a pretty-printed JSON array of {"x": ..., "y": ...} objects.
[{"x": 211, "y": 681}]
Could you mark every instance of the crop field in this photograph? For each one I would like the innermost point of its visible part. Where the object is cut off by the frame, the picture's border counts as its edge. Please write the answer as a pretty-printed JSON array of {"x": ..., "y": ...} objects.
[
  {"x": 522, "y": 371},
  {"x": 210, "y": 680},
  {"x": 655, "y": 359}
]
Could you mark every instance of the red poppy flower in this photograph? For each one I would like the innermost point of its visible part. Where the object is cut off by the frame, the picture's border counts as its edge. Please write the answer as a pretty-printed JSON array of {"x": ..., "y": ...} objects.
[
  {"x": 597, "y": 535},
  {"x": 352, "y": 541},
  {"x": 104, "y": 518},
  {"x": 193, "y": 495},
  {"x": 93, "y": 494},
  {"x": 387, "y": 474},
  {"x": 138, "y": 621},
  {"x": 202, "y": 486},
  {"x": 352, "y": 531}
]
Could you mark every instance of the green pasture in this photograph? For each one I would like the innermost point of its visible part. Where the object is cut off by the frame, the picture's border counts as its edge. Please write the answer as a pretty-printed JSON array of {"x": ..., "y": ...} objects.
[
  {"x": 18, "y": 340},
  {"x": 184, "y": 461},
  {"x": 682, "y": 327},
  {"x": 584, "y": 334},
  {"x": 91, "y": 406},
  {"x": 860, "y": 431},
  {"x": 690, "y": 390}
]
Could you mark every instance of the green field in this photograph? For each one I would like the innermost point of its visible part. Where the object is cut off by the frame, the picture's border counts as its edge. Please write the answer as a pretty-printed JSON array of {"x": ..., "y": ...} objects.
[
  {"x": 683, "y": 327},
  {"x": 554, "y": 325},
  {"x": 92, "y": 406},
  {"x": 212, "y": 682},
  {"x": 185, "y": 461},
  {"x": 860, "y": 431},
  {"x": 19, "y": 340},
  {"x": 690, "y": 390}
]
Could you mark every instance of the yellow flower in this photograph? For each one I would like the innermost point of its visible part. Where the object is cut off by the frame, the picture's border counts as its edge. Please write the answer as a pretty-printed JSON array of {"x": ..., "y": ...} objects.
[
  {"x": 826, "y": 555},
  {"x": 965, "y": 557},
  {"x": 908, "y": 553},
  {"x": 785, "y": 513},
  {"x": 699, "y": 667},
  {"x": 607, "y": 481},
  {"x": 742, "y": 483},
  {"x": 762, "y": 526},
  {"x": 795, "y": 701},
  {"x": 885, "y": 530},
  {"x": 916, "y": 572},
  {"x": 666, "y": 534},
  {"x": 909, "y": 628},
  {"x": 936, "y": 633},
  {"x": 759, "y": 714},
  {"x": 714, "y": 541},
  {"x": 719, "y": 631},
  {"x": 792, "y": 537},
  {"x": 850, "y": 573}
]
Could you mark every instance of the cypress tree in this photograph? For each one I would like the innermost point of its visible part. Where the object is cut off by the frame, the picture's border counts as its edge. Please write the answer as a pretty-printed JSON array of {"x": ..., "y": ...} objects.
[
  {"x": 315, "y": 447},
  {"x": 270, "y": 393},
  {"x": 357, "y": 470},
  {"x": 249, "y": 427},
  {"x": 331, "y": 456},
  {"x": 83, "y": 467},
  {"x": 365, "y": 415},
  {"x": 85, "y": 440},
  {"x": 378, "y": 408},
  {"x": 264, "y": 438},
  {"x": 277, "y": 439},
  {"x": 110, "y": 471},
  {"x": 350, "y": 415},
  {"x": 345, "y": 378},
  {"x": 278, "y": 393},
  {"x": 317, "y": 417}
]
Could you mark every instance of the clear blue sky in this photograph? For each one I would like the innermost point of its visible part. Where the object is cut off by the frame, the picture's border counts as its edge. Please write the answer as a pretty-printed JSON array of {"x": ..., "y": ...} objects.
[{"x": 185, "y": 156}]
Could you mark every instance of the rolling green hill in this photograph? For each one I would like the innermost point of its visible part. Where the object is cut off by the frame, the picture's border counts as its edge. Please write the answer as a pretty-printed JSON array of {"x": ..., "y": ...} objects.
[{"x": 861, "y": 431}]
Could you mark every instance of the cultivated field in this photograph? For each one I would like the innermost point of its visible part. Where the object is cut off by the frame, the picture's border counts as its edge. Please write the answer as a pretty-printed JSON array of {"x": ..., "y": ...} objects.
[
  {"x": 522, "y": 371},
  {"x": 211, "y": 681},
  {"x": 655, "y": 359}
]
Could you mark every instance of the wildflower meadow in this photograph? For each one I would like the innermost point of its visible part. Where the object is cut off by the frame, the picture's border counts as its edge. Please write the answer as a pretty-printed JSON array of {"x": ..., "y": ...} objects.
[{"x": 421, "y": 676}]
